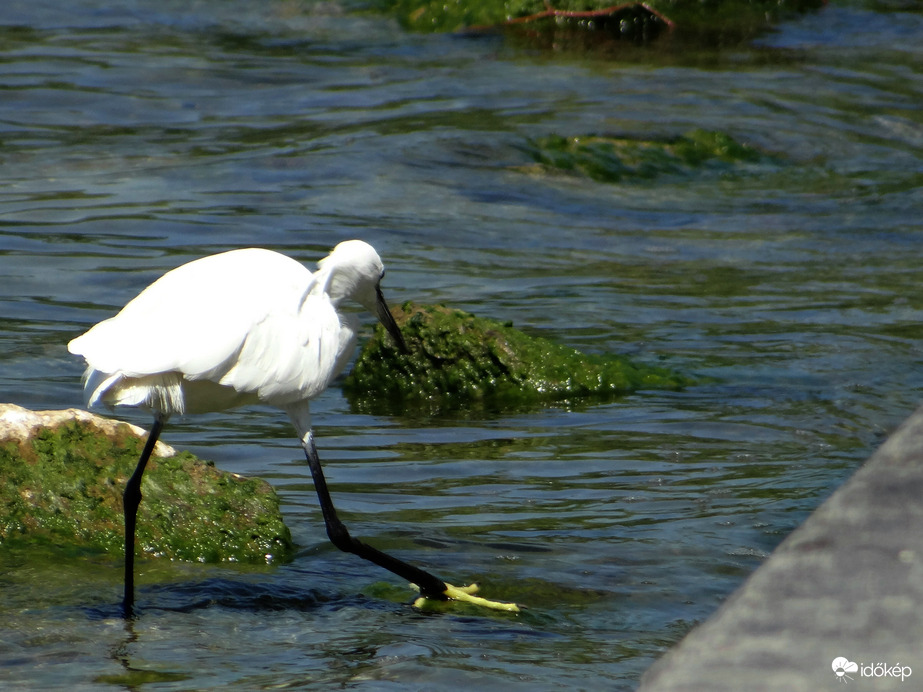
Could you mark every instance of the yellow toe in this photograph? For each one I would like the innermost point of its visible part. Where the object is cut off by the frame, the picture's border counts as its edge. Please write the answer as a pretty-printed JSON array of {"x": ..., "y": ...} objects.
[{"x": 465, "y": 594}]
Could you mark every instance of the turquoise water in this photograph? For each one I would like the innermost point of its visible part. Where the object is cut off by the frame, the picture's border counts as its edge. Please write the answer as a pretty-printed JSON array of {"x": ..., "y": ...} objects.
[{"x": 137, "y": 137}]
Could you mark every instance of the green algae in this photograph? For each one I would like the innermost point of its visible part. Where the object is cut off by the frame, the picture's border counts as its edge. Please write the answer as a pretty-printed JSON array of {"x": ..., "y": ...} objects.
[
  {"x": 619, "y": 159},
  {"x": 64, "y": 486},
  {"x": 133, "y": 678},
  {"x": 706, "y": 21},
  {"x": 458, "y": 360}
]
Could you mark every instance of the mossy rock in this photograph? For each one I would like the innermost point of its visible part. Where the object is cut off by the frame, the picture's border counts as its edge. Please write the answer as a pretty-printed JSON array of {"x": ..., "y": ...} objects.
[
  {"x": 63, "y": 485},
  {"x": 457, "y": 360},
  {"x": 713, "y": 22},
  {"x": 620, "y": 159}
]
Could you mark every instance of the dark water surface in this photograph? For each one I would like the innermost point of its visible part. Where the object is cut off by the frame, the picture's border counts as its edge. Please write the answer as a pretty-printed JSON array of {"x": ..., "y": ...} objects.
[{"x": 135, "y": 136}]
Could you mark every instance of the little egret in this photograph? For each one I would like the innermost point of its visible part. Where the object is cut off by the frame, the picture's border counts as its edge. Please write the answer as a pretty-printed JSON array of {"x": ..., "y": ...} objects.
[{"x": 241, "y": 327}]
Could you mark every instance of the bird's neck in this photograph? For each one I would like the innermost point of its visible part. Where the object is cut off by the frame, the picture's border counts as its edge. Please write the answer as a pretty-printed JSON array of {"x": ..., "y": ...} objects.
[{"x": 336, "y": 285}]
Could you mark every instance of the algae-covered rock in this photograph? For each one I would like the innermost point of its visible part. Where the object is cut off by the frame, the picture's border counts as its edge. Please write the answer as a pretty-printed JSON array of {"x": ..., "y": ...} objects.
[
  {"x": 63, "y": 474},
  {"x": 711, "y": 21},
  {"x": 436, "y": 16},
  {"x": 621, "y": 159},
  {"x": 457, "y": 360}
]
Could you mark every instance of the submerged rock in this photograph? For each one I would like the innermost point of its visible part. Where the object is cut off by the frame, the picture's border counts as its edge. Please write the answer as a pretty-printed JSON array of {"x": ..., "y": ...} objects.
[
  {"x": 64, "y": 471},
  {"x": 457, "y": 360},
  {"x": 611, "y": 159}
]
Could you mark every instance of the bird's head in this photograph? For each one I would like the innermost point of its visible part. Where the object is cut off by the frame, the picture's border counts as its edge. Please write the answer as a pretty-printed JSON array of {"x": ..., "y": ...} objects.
[{"x": 354, "y": 271}]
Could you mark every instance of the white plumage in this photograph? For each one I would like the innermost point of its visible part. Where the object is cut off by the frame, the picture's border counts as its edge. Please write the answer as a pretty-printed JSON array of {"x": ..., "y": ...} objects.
[{"x": 239, "y": 327}]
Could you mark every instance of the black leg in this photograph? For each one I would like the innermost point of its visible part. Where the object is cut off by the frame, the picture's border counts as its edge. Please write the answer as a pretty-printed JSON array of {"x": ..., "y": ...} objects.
[
  {"x": 131, "y": 498},
  {"x": 430, "y": 586}
]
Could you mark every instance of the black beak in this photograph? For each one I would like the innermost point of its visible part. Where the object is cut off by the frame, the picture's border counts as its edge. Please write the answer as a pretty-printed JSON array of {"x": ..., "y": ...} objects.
[{"x": 384, "y": 314}]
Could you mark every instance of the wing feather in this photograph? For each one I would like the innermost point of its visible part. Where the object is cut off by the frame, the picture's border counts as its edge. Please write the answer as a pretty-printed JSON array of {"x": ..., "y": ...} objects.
[
  {"x": 288, "y": 356},
  {"x": 196, "y": 319}
]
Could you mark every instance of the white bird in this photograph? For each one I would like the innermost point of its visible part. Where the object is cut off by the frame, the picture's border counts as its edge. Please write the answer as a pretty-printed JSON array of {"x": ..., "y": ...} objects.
[{"x": 240, "y": 327}]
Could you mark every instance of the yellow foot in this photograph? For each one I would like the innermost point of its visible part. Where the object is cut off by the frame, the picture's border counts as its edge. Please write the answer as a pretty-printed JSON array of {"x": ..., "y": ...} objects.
[{"x": 465, "y": 594}]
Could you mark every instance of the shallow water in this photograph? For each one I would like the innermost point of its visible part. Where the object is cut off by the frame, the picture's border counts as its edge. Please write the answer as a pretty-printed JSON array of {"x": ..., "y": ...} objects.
[{"x": 135, "y": 138}]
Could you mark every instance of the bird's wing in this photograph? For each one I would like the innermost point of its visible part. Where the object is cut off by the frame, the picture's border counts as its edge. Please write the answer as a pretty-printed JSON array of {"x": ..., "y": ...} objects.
[
  {"x": 289, "y": 355},
  {"x": 196, "y": 319}
]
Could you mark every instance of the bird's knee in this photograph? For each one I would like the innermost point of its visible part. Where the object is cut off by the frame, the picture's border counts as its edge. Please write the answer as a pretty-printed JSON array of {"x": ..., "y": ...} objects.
[
  {"x": 339, "y": 536},
  {"x": 131, "y": 496}
]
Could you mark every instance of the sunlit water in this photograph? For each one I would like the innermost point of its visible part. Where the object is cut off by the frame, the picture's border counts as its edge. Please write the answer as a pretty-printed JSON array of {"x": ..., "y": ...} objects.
[{"x": 136, "y": 136}]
